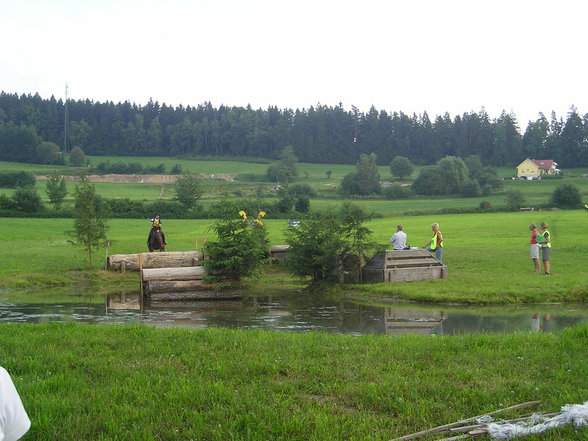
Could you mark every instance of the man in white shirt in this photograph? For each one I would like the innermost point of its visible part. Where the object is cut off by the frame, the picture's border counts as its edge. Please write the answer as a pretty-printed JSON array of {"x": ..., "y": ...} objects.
[
  {"x": 399, "y": 239},
  {"x": 14, "y": 421}
]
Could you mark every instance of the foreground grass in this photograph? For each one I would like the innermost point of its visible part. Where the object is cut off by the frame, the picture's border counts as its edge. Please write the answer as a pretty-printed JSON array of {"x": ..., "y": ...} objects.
[{"x": 140, "y": 383}]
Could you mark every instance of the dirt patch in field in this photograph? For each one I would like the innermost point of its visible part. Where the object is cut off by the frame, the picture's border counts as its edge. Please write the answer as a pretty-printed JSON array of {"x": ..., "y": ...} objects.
[{"x": 140, "y": 179}]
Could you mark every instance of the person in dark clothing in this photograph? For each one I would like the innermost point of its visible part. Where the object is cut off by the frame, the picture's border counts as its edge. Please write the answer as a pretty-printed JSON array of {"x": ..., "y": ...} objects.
[{"x": 156, "y": 225}]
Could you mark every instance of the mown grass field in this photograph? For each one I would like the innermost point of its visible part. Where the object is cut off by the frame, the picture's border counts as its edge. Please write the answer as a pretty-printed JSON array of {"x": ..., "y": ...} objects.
[{"x": 487, "y": 255}]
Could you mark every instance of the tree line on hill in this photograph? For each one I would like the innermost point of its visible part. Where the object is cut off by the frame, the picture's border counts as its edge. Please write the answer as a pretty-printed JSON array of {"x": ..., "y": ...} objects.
[{"x": 31, "y": 127}]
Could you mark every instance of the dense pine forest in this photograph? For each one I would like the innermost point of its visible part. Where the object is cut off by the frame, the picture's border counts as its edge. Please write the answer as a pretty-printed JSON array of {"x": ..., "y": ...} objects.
[{"x": 319, "y": 134}]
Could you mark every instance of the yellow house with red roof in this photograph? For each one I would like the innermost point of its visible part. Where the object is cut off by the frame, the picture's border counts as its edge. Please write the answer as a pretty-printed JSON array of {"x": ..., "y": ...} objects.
[{"x": 535, "y": 168}]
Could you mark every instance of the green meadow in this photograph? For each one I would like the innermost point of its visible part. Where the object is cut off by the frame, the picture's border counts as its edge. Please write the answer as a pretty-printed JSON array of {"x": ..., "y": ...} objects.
[{"x": 487, "y": 256}]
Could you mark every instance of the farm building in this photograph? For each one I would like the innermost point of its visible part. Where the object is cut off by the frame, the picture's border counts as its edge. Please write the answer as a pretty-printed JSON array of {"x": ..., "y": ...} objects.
[{"x": 535, "y": 168}]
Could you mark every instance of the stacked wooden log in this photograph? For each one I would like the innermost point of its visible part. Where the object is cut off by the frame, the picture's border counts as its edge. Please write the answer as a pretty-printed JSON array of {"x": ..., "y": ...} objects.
[
  {"x": 133, "y": 262},
  {"x": 184, "y": 283},
  {"x": 279, "y": 253}
]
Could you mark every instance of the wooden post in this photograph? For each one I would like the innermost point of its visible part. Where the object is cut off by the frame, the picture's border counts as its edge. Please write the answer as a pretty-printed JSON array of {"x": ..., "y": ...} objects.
[{"x": 141, "y": 275}]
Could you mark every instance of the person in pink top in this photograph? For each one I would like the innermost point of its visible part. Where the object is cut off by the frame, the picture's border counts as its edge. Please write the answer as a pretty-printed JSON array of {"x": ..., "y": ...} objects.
[{"x": 535, "y": 247}]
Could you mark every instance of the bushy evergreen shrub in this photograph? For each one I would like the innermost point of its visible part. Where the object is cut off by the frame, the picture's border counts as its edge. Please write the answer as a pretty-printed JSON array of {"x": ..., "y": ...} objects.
[
  {"x": 241, "y": 248},
  {"x": 324, "y": 239}
]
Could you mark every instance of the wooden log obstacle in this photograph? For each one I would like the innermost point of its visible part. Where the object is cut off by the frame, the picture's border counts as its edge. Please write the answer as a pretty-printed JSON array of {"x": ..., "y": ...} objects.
[
  {"x": 130, "y": 262},
  {"x": 279, "y": 253},
  {"x": 171, "y": 276},
  {"x": 182, "y": 284},
  {"x": 403, "y": 266}
]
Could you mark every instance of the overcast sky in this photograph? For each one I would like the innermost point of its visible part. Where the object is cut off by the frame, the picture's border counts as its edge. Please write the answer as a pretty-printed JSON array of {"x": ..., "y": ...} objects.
[{"x": 456, "y": 56}]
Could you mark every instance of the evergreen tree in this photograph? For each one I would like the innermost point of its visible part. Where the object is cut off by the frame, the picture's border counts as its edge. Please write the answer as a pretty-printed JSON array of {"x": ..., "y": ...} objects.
[
  {"x": 573, "y": 141},
  {"x": 534, "y": 141},
  {"x": 320, "y": 134},
  {"x": 323, "y": 240}
]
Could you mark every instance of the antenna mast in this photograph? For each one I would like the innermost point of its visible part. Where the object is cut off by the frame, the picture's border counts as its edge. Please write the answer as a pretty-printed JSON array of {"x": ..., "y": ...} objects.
[{"x": 66, "y": 118}]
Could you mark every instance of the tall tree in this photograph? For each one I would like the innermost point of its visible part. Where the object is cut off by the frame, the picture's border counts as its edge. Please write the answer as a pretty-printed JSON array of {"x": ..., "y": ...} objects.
[
  {"x": 77, "y": 158},
  {"x": 573, "y": 141},
  {"x": 284, "y": 170},
  {"x": 90, "y": 226},
  {"x": 454, "y": 172},
  {"x": 368, "y": 175},
  {"x": 508, "y": 141},
  {"x": 188, "y": 188},
  {"x": 534, "y": 141},
  {"x": 56, "y": 189},
  {"x": 401, "y": 167}
]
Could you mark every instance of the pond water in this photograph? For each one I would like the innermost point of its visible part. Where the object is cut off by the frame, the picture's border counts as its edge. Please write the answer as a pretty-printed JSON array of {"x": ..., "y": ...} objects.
[{"x": 300, "y": 312}]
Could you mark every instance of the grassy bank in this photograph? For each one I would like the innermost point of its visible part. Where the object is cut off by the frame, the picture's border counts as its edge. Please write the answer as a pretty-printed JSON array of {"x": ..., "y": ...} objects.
[
  {"x": 139, "y": 383},
  {"x": 487, "y": 256}
]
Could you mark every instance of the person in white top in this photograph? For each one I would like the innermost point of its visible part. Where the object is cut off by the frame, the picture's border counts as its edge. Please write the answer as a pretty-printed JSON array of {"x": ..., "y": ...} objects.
[
  {"x": 14, "y": 421},
  {"x": 399, "y": 239}
]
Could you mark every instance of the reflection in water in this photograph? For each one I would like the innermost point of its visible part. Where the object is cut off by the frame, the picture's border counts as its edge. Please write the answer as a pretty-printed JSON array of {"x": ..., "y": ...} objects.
[
  {"x": 123, "y": 301},
  {"x": 406, "y": 321},
  {"x": 537, "y": 326},
  {"x": 301, "y": 312}
]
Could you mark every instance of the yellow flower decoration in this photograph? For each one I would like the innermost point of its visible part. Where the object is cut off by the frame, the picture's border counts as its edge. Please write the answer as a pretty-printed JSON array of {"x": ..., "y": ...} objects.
[
  {"x": 243, "y": 214},
  {"x": 258, "y": 222},
  {"x": 261, "y": 214}
]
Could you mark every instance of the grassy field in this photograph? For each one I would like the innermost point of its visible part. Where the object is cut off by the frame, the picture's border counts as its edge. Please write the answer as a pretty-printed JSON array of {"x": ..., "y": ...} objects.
[
  {"x": 487, "y": 255},
  {"x": 140, "y": 383},
  {"x": 120, "y": 383},
  {"x": 537, "y": 192}
]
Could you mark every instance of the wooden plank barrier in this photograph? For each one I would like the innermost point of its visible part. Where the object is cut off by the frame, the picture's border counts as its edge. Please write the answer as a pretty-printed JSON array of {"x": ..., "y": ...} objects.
[{"x": 403, "y": 266}]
